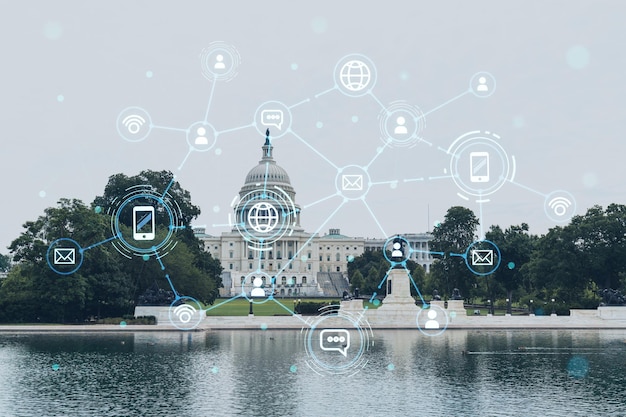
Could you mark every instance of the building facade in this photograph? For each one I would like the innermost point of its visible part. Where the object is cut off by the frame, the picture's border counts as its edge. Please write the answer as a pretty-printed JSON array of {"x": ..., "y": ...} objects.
[{"x": 267, "y": 242}]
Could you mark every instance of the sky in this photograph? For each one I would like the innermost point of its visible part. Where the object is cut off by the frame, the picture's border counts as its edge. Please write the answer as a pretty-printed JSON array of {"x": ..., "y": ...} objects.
[{"x": 513, "y": 109}]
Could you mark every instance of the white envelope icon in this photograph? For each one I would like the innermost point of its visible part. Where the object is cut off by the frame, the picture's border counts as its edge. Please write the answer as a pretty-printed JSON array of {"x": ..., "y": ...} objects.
[
  {"x": 482, "y": 257},
  {"x": 352, "y": 182},
  {"x": 65, "y": 256}
]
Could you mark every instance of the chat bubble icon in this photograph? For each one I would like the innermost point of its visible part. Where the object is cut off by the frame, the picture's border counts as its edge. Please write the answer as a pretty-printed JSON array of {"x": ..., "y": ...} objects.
[
  {"x": 335, "y": 340},
  {"x": 272, "y": 118}
]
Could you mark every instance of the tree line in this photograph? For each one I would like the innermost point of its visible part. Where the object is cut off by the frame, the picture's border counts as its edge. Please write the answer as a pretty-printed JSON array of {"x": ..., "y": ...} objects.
[
  {"x": 570, "y": 264},
  {"x": 107, "y": 284}
]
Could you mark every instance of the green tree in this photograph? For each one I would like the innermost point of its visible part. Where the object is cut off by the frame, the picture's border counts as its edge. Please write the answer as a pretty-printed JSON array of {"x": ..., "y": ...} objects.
[
  {"x": 452, "y": 237},
  {"x": 5, "y": 263}
]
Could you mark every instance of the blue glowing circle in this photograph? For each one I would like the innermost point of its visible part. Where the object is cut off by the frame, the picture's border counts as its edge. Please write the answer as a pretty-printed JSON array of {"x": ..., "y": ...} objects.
[
  {"x": 185, "y": 313},
  {"x": 64, "y": 256},
  {"x": 355, "y": 75},
  {"x": 134, "y": 124},
  {"x": 275, "y": 116},
  {"x": 429, "y": 322},
  {"x": 482, "y": 257}
]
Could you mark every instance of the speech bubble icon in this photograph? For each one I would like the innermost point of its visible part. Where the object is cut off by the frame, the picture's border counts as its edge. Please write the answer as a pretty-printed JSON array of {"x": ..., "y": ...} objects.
[
  {"x": 335, "y": 340},
  {"x": 272, "y": 118}
]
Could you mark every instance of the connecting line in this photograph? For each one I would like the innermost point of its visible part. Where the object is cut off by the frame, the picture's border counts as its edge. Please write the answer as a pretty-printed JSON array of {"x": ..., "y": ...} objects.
[
  {"x": 528, "y": 188},
  {"x": 326, "y": 92},
  {"x": 315, "y": 150},
  {"x": 267, "y": 168},
  {"x": 158, "y": 258},
  {"x": 168, "y": 187},
  {"x": 292, "y": 312},
  {"x": 382, "y": 106},
  {"x": 306, "y": 100},
  {"x": 320, "y": 200},
  {"x": 208, "y": 107},
  {"x": 176, "y": 129},
  {"x": 224, "y": 302},
  {"x": 378, "y": 153},
  {"x": 313, "y": 235},
  {"x": 101, "y": 243},
  {"x": 428, "y": 252},
  {"x": 440, "y": 177},
  {"x": 460, "y": 255},
  {"x": 415, "y": 286},
  {"x": 446, "y": 103},
  {"x": 167, "y": 276},
  {"x": 185, "y": 159},
  {"x": 413, "y": 179},
  {"x": 374, "y": 217},
  {"x": 480, "y": 217},
  {"x": 384, "y": 182},
  {"x": 362, "y": 314},
  {"x": 380, "y": 286},
  {"x": 234, "y": 129}
]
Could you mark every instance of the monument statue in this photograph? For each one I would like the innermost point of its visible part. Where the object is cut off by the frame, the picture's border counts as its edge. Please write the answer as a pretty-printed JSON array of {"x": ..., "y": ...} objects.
[
  {"x": 436, "y": 295},
  {"x": 456, "y": 294},
  {"x": 611, "y": 297},
  {"x": 155, "y": 296}
]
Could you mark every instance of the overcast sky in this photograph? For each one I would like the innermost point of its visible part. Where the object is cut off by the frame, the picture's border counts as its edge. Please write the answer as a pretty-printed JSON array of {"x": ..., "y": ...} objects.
[{"x": 555, "y": 99}]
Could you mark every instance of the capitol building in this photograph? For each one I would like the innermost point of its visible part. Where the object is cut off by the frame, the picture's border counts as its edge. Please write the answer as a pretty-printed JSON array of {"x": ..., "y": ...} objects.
[{"x": 267, "y": 242}]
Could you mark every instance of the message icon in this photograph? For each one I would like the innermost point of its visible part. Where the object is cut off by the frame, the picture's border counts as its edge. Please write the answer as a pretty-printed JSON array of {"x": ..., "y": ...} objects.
[
  {"x": 335, "y": 340},
  {"x": 65, "y": 256},
  {"x": 352, "y": 182},
  {"x": 272, "y": 118},
  {"x": 482, "y": 257}
]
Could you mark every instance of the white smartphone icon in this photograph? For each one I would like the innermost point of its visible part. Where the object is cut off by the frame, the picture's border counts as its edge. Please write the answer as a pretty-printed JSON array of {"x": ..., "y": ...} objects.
[
  {"x": 143, "y": 223},
  {"x": 479, "y": 166}
]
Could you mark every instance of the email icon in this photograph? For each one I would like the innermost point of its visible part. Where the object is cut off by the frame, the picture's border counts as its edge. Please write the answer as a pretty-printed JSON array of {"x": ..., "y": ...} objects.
[
  {"x": 65, "y": 256},
  {"x": 352, "y": 182},
  {"x": 482, "y": 257}
]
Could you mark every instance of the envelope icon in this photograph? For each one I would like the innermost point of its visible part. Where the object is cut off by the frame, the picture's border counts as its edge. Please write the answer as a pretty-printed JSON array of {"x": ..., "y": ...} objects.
[
  {"x": 352, "y": 182},
  {"x": 482, "y": 257},
  {"x": 65, "y": 256}
]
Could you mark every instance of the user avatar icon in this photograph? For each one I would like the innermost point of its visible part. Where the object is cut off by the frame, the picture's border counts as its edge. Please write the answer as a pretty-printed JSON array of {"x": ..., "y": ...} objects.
[
  {"x": 257, "y": 291},
  {"x": 432, "y": 323},
  {"x": 201, "y": 139},
  {"x": 397, "y": 250},
  {"x": 482, "y": 85},
  {"x": 219, "y": 62},
  {"x": 400, "y": 127}
]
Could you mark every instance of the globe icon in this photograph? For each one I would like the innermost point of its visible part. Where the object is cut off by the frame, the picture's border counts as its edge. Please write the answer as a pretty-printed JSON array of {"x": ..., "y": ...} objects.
[
  {"x": 263, "y": 217},
  {"x": 355, "y": 75}
]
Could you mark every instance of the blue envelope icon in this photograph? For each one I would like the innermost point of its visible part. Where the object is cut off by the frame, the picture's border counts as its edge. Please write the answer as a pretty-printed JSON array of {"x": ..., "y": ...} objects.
[
  {"x": 65, "y": 256},
  {"x": 482, "y": 257}
]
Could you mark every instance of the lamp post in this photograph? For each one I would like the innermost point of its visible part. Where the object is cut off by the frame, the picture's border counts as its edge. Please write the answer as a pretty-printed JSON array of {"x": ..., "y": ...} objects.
[
  {"x": 490, "y": 305},
  {"x": 251, "y": 313},
  {"x": 553, "y": 310},
  {"x": 531, "y": 311},
  {"x": 508, "y": 307}
]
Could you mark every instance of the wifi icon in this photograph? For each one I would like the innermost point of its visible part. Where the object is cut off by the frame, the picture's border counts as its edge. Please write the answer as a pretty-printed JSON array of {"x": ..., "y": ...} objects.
[
  {"x": 184, "y": 313},
  {"x": 134, "y": 123},
  {"x": 559, "y": 205}
]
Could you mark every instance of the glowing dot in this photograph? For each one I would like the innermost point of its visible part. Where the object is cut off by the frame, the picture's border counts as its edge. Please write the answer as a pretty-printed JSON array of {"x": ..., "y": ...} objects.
[
  {"x": 294, "y": 66},
  {"x": 437, "y": 223},
  {"x": 445, "y": 170},
  {"x": 404, "y": 75},
  {"x": 518, "y": 122},
  {"x": 55, "y": 367},
  {"x": 453, "y": 314},
  {"x": 146, "y": 257},
  {"x": 355, "y": 119},
  {"x": 149, "y": 74},
  {"x": 122, "y": 324},
  {"x": 391, "y": 367},
  {"x": 304, "y": 258},
  {"x": 379, "y": 149},
  {"x": 394, "y": 185},
  {"x": 60, "y": 98},
  {"x": 319, "y": 125},
  {"x": 511, "y": 265},
  {"x": 590, "y": 180},
  {"x": 97, "y": 209},
  {"x": 215, "y": 369},
  {"x": 53, "y": 30},
  {"x": 376, "y": 302},
  {"x": 42, "y": 193},
  {"x": 577, "y": 367},
  {"x": 577, "y": 57},
  {"x": 293, "y": 369},
  {"x": 350, "y": 258},
  {"x": 263, "y": 326},
  {"x": 319, "y": 25},
  {"x": 216, "y": 209},
  {"x": 218, "y": 151}
]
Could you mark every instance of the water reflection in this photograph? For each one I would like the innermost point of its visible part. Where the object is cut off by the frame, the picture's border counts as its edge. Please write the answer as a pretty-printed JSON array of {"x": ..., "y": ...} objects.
[{"x": 487, "y": 373}]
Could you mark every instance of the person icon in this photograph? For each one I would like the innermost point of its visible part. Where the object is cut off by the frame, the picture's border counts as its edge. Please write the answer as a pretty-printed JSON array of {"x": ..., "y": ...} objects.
[
  {"x": 257, "y": 291},
  {"x": 201, "y": 139},
  {"x": 397, "y": 250},
  {"x": 219, "y": 62},
  {"x": 400, "y": 127},
  {"x": 482, "y": 85},
  {"x": 432, "y": 323}
]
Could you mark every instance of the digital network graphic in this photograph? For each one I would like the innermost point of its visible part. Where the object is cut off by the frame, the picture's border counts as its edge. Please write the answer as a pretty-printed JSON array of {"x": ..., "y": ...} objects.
[{"x": 335, "y": 341}]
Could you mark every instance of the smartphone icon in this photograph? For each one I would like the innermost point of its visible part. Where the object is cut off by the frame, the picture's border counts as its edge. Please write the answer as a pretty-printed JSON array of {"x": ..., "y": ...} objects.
[
  {"x": 143, "y": 223},
  {"x": 479, "y": 166}
]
